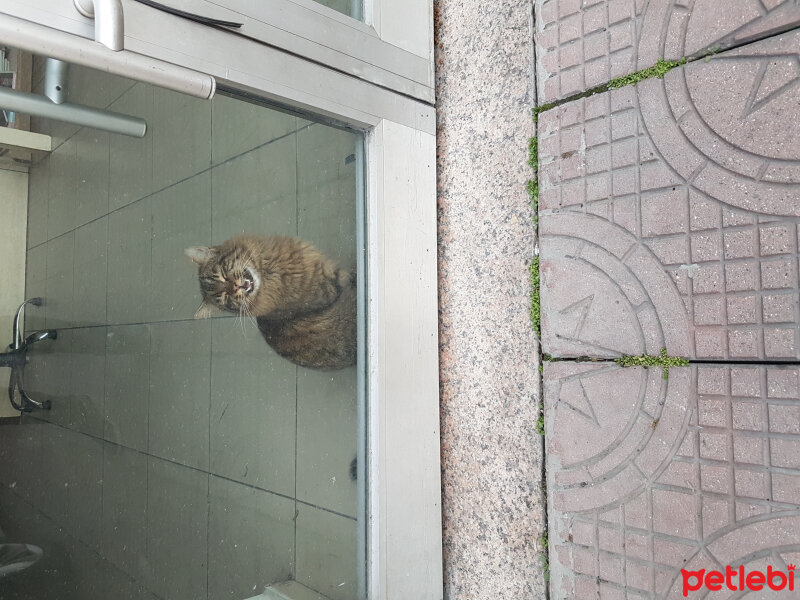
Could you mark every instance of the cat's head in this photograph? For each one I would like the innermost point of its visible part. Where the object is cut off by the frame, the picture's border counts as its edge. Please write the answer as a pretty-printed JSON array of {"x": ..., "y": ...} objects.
[{"x": 228, "y": 278}]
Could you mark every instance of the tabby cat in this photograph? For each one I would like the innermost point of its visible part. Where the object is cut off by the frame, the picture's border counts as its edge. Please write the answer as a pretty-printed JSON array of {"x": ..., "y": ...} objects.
[{"x": 303, "y": 303}]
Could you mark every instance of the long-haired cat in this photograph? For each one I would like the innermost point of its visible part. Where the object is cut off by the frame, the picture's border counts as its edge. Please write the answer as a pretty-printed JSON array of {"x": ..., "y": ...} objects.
[{"x": 303, "y": 303}]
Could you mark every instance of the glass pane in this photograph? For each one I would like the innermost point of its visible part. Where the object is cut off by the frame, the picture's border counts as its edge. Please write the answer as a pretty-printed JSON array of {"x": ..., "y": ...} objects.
[
  {"x": 351, "y": 8},
  {"x": 182, "y": 457}
]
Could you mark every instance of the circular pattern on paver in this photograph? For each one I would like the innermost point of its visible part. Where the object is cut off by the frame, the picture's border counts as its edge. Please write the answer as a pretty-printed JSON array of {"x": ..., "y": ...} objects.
[
  {"x": 605, "y": 294},
  {"x": 766, "y": 540},
  {"x": 624, "y": 424},
  {"x": 718, "y": 123}
]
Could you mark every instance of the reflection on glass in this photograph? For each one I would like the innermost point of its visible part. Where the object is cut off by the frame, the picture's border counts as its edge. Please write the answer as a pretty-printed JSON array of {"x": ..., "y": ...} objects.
[
  {"x": 189, "y": 458},
  {"x": 351, "y": 8}
]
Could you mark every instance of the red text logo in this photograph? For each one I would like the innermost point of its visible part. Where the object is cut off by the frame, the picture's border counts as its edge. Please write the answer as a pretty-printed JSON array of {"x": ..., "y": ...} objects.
[{"x": 737, "y": 579}]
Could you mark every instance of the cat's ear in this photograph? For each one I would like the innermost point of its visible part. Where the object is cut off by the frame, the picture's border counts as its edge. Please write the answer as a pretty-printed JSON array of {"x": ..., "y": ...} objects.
[
  {"x": 205, "y": 310},
  {"x": 199, "y": 254}
]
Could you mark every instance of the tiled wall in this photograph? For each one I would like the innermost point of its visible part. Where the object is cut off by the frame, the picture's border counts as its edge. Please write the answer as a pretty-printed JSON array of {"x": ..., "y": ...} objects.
[
  {"x": 13, "y": 208},
  {"x": 182, "y": 458}
]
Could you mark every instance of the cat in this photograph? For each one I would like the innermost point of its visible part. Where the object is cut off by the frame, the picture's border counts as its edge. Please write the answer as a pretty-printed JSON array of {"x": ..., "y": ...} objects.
[{"x": 303, "y": 303}]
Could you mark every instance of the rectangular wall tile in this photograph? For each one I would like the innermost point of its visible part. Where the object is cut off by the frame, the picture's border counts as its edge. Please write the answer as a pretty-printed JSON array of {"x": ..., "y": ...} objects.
[
  {"x": 180, "y": 372},
  {"x": 250, "y": 539},
  {"x": 253, "y": 409},
  {"x": 127, "y": 385},
  {"x": 326, "y": 552},
  {"x": 177, "y": 530}
]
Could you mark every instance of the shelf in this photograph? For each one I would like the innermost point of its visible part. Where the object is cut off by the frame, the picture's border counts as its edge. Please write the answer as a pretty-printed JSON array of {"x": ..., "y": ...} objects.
[{"x": 19, "y": 148}]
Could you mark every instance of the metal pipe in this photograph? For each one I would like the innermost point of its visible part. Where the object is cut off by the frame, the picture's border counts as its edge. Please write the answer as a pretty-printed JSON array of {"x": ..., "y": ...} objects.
[
  {"x": 16, "y": 333},
  {"x": 84, "y": 116},
  {"x": 109, "y": 21},
  {"x": 55, "y": 80},
  {"x": 38, "y": 39}
]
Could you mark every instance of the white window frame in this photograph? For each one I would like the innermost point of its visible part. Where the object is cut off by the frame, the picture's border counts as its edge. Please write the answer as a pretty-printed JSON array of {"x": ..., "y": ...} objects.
[
  {"x": 391, "y": 104},
  {"x": 392, "y": 48}
]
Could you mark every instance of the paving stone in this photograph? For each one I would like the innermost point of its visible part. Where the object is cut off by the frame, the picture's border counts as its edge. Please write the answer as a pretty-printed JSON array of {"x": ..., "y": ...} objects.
[
  {"x": 647, "y": 475},
  {"x": 670, "y": 211},
  {"x": 583, "y": 44}
]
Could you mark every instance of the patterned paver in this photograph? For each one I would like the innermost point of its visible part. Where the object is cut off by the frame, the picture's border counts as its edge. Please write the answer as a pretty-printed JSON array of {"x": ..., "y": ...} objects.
[
  {"x": 670, "y": 219},
  {"x": 670, "y": 212},
  {"x": 581, "y": 44},
  {"x": 700, "y": 470}
]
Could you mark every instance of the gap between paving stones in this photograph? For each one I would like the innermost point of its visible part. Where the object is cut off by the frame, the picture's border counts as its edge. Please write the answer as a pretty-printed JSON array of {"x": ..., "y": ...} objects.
[{"x": 661, "y": 68}]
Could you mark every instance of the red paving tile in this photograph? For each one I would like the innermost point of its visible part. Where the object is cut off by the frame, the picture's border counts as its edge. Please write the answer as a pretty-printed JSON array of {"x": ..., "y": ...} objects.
[
  {"x": 670, "y": 212},
  {"x": 670, "y": 218},
  {"x": 584, "y": 44},
  {"x": 648, "y": 475}
]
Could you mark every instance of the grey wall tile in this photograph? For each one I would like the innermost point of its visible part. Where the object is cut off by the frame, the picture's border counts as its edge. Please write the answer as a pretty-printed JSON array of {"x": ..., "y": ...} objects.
[
  {"x": 326, "y": 191},
  {"x": 119, "y": 586},
  {"x": 239, "y": 126},
  {"x": 23, "y": 477},
  {"x": 38, "y": 200},
  {"x": 95, "y": 88},
  {"x": 84, "y": 487},
  {"x": 59, "y": 285},
  {"x": 62, "y": 189},
  {"x": 91, "y": 185},
  {"x": 326, "y": 553},
  {"x": 256, "y": 193},
  {"x": 124, "y": 515},
  {"x": 131, "y": 159},
  {"x": 180, "y": 365},
  {"x": 36, "y": 285},
  {"x": 87, "y": 381},
  {"x": 89, "y": 296},
  {"x": 181, "y": 218},
  {"x": 250, "y": 540},
  {"x": 181, "y": 129},
  {"x": 253, "y": 412},
  {"x": 47, "y": 376},
  {"x": 129, "y": 255},
  {"x": 55, "y": 470},
  {"x": 177, "y": 530},
  {"x": 127, "y": 385},
  {"x": 326, "y": 438}
]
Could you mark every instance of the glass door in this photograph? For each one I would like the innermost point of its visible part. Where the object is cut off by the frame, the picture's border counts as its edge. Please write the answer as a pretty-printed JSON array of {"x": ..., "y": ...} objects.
[{"x": 185, "y": 457}]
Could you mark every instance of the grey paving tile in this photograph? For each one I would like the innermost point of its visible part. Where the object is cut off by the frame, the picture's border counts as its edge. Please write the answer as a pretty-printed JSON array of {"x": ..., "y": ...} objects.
[
  {"x": 648, "y": 475},
  {"x": 670, "y": 213},
  {"x": 581, "y": 44}
]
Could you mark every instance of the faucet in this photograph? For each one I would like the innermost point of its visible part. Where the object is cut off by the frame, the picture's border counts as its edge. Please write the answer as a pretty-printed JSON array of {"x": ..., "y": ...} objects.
[{"x": 16, "y": 357}]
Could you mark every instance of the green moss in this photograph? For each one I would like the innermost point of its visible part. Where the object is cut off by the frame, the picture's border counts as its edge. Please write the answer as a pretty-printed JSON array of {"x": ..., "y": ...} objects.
[
  {"x": 645, "y": 360},
  {"x": 537, "y": 110},
  {"x": 540, "y": 418},
  {"x": 535, "y": 301},
  {"x": 661, "y": 68},
  {"x": 533, "y": 153},
  {"x": 544, "y": 558}
]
